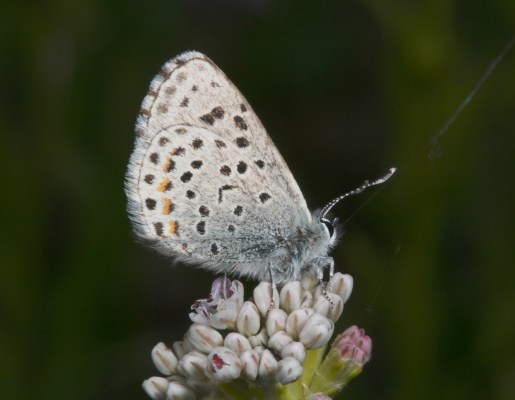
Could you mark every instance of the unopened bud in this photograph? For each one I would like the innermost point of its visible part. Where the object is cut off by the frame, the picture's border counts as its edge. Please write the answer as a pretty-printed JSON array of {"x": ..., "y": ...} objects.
[
  {"x": 237, "y": 342},
  {"x": 203, "y": 338},
  {"x": 307, "y": 299},
  {"x": 225, "y": 319},
  {"x": 223, "y": 365},
  {"x": 291, "y": 296},
  {"x": 180, "y": 391},
  {"x": 164, "y": 359},
  {"x": 341, "y": 284},
  {"x": 296, "y": 321},
  {"x": 248, "y": 320},
  {"x": 295, "y": 350},
  {"x": 249, "y": 364},
  {"x": 316, "y": 332},
  {"x": 260, "y": 339},
  {"x": 263, "y": 295},
  {"x": 354, "y": 345},
  {"x": 193, "y": 366},
  {"x": 344, "y": 361},
  {"x": 330, "y": 307},
  {"x": 276, "y": 321},
  {"x": 288, "y": 370},
  {"x": 267, "y": 365},
  {"x": 178, "y": 349},
  {"x": 278, "y": 340},
  {"x": 156, "y": 387}
]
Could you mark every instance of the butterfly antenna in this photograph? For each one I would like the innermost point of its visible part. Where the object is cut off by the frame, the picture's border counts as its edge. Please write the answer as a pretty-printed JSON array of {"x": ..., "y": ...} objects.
[{"x": 358, "y": 190}]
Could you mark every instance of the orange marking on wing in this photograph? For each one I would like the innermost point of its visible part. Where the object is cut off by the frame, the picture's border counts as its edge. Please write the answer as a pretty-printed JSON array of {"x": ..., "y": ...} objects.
[
  {"x": 169, "y": 165},
  {"x": 164, "y": 185},
  {"x": 174, "y": 227},
  {"x": 167, "y": 206}
]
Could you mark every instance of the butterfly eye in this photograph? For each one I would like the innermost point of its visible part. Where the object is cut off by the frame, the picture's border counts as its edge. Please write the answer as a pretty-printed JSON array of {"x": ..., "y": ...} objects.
[{"x": 331, "y": 227}]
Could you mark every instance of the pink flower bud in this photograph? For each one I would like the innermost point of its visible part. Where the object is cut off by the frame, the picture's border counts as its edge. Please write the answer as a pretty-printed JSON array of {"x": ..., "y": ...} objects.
[{"x": 354, "y": 345}]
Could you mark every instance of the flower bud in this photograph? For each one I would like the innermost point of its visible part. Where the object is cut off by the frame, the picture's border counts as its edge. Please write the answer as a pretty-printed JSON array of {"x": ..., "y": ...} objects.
[
  {"x": 332, "y": 309},
  {"x": 316, "y": 332},
  {"x": 263, "y": 297},
  {"x": 341, "y": 284},
  {"x": 223, "y": 365},
  {"x": 193, "y": 366},
  {"x": 344, "y": 361},
  {"x": 179, "y": 391},
  {"x": 291, "y": 296},
  {"x": 260, "y": 339},
  {"x": 276, "y": 321},
  {"x": 354, "y": 345},
  {"x": 307, "y": 299},
  {"x": 248, "y": 320},
  {"x": 178, "y": 349},
  {"x": 237, "y": 342},
  {"x": 278, "y": 340},
  {"x": 309, "y": 282},
  {"x": 296, "y": 321},
  {"x": 203, "y": 338},
  {"x": 221, "y": 307},
  {"x": 267, "y": 365},
  {"x": 164, "y": 359},
  {"x": 295, "y": 350},
  {"x": 288, "y": 370},
  {"x": 249, "y": 364},
  {"x": 225, "y": 319},
  {"x": 156, "y": 387}
]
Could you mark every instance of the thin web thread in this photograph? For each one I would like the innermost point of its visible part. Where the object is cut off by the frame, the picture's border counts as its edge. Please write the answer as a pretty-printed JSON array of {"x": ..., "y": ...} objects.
[{"x": 434, "y": 139}]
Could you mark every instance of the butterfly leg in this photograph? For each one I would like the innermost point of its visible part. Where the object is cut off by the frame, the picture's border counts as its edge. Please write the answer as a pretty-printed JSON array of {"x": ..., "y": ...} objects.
[
  {"x": 273, "y": 285},
  {"x": 320, "y": 264}
]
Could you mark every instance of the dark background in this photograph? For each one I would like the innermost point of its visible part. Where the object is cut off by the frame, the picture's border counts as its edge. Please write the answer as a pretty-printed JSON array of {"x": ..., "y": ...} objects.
[{"x": 346, "y": 89}]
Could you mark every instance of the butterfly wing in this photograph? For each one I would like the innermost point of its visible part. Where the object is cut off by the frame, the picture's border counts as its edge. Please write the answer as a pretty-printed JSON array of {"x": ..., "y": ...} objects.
[{"x": 205, "y": 182}]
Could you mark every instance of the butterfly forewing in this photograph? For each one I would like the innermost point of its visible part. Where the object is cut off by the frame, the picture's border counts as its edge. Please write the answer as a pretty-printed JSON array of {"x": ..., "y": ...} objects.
[{"x": 204, "y": 173}]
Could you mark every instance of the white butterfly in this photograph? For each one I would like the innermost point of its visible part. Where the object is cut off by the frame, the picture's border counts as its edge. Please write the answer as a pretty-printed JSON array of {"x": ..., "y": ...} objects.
[{"x": 207, "y": 186}]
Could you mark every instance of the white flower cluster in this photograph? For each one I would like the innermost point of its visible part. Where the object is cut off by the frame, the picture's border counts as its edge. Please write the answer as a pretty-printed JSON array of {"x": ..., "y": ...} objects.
[{"x": 263, "y": 340}]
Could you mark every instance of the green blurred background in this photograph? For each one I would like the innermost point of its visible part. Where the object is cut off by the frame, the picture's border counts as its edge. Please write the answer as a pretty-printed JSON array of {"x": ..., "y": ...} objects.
[{"x": 346, "y": 89}]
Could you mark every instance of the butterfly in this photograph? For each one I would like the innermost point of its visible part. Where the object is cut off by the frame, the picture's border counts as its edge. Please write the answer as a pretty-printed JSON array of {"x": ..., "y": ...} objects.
[{"x": 207, "y": 186}]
